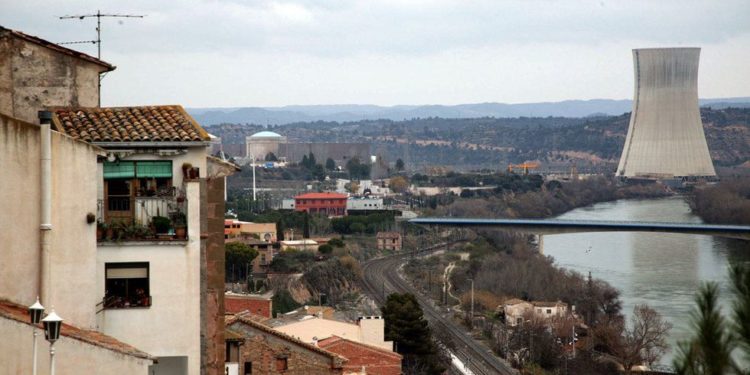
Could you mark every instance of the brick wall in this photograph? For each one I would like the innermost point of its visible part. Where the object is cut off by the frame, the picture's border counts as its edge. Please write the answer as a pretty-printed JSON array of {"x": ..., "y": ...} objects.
[
  {"x": 257, "y": 306},
  {"x": 264, "y": 350},
  {"x": 375, "y": 361},
  {"x": 212, "y": 277}
]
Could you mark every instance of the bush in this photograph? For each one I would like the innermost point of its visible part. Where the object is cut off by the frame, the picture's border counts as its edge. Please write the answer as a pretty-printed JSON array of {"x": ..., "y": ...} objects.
[
  {"x": 325, "y": 249},
  {"x": 336, "y": 242}
]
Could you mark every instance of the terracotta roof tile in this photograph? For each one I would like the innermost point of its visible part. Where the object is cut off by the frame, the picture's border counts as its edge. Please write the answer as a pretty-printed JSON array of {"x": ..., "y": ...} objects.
[
  {"x": 329, "y": 343},
  {"x": 324, "y": 195},
  {"x": 388, "y": 235},
  {"x": 168, "y": 123},
  {"x": 20, "y": 314}
]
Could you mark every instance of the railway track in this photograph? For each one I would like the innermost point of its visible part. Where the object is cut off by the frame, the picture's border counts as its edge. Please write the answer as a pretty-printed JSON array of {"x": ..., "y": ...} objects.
[{"x": 381, "y": 277}]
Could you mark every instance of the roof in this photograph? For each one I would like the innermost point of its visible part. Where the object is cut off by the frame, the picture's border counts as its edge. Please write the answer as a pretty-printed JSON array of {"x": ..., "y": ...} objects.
[
  {"x": 514, "y": 301},
  {"x": 14, "y": 311},
  {"x": 548, "y": 304},
  {"x": 58, "y": 48},
  {"x": 266, "y": 134},
  {"x": 334, "y": 340},
  {"x": 388, "y": 235},
  {"x": 324, "y": 195},
  {"x": 167, "y": 123},
  {"x": 283, "y": 336}
]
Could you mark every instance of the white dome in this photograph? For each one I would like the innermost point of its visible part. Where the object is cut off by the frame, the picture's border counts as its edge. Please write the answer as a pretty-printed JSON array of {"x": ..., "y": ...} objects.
[{"x": 266, "y": 134}]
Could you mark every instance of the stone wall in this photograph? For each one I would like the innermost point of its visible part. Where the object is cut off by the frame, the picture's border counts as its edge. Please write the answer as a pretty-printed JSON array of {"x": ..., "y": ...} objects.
[
  {"x": 263, "y": 349},
  {"x": 34, "y": 77},
  {"x": 212, "y": 277}
]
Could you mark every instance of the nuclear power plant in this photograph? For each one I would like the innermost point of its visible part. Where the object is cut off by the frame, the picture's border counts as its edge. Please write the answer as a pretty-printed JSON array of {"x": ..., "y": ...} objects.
[{"x": 665, "y": 137}]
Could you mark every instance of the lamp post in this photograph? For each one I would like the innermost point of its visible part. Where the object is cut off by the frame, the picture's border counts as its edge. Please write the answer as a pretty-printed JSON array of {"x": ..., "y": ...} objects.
[
  {"x": 252, "y": 158},
  {"x": 35, "y": 313},
  {"x": 52, "y": 324}
]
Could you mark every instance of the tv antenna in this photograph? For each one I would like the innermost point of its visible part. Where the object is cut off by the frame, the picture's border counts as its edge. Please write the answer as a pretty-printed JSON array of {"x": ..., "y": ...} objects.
[{"x": 98, "y": 40}]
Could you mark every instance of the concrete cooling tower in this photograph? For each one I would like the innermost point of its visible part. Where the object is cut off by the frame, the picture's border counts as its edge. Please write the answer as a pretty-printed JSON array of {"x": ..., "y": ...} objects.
[{"x": 665, "y": 137}]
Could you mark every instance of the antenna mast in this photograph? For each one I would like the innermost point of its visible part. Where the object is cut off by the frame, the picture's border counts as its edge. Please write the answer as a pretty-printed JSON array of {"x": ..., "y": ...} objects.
[{"x": 98, "y": 40}]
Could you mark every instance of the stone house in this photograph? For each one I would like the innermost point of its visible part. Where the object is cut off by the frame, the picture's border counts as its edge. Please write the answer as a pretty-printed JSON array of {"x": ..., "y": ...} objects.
[
  {"x": 517, "y": 311},
  {"x": 37, "y": 74},
  {"x": 267, "y": 351},
  {"x": 389, "y": 241},
  {"x": 363, "y": 358}
]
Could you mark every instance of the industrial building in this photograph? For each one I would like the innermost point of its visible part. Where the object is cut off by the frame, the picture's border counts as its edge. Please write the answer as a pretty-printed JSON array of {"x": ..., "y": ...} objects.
[{"x": 665, "y": 137}]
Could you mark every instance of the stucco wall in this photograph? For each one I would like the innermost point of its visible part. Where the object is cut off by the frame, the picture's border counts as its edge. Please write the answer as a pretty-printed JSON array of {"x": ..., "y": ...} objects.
[
  {"x": 72, "y": 239},
  {"x": 33, "y": 77},
  {"x": 171, "y": 326},
  {"x": 71, "y": 356}
]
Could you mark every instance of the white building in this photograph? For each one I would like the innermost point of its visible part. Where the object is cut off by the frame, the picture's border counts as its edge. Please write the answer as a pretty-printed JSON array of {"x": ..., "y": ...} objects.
[
  {"x": 261, "y": 144},
  {"x": 368, "y": 330}
]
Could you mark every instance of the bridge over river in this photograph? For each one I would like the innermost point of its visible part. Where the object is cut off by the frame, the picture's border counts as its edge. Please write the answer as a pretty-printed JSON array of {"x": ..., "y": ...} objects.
[{"x": 559, "y": 226}]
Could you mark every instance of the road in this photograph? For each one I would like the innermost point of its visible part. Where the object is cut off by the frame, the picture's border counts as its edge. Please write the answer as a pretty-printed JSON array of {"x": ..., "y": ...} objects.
[{"x": 380, "y": 278}]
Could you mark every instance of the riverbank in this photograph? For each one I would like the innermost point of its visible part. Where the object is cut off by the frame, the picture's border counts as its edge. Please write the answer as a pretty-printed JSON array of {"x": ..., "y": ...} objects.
[{"x": 727, "y": 202}]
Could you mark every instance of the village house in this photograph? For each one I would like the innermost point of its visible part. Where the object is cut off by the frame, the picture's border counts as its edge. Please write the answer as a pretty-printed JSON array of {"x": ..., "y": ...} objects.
[
  {"x": 242, "y": 229},
  {"x": 389, "y": 241},
  {"x": 253, "y": 348},
  {"x": 326, "y": 203},
  {"x": 517, "y": 311},
  {"x": 143, "y": 174}
]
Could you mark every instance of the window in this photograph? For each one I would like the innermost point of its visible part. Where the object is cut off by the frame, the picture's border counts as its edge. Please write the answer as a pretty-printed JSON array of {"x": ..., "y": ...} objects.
[
  {"x": 248, "y": 368},
  {"x": 124, "y": 180},
  {"x": 281, "y": 364},
  {"x": 549, "y": 311},
  {"x": 126, "y": 285}
]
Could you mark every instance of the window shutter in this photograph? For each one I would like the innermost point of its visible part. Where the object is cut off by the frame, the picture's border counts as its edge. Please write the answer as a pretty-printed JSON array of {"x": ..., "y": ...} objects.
[{"x": 123, "y": 169}]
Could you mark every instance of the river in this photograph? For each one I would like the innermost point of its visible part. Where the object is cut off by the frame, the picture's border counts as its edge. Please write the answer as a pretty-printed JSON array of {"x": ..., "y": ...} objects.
[{"x": 663, "y": 270}]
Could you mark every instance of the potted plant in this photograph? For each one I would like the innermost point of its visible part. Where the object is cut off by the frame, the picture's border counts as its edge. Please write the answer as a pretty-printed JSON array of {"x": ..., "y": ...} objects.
[
  {"x": 180, "y": 225},
  {"x": 161, "y": 226},
  {"x": 101, "y": 229}
]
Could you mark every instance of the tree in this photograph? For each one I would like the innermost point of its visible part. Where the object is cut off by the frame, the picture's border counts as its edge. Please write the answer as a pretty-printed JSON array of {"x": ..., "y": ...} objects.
[
  {"x": 271, "y": 157},
  {"x": 398, "y": 184},
  {"x": 714, "y": 339},
  {"x": 238, "y": 256},
  {"x": 644, "y": 341},
  {"x": 330, "y": 164},
  {"x": 399, "y": 165},
  {"x": 318, "y": 172},
  {"x": 357, "y": 170},
  {"x": 709, "y": 351},
  {"x": 406, "y": 326}
]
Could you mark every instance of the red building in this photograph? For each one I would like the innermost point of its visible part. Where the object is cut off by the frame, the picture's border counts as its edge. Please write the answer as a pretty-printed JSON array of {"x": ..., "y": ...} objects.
[{"x": 331, "y": 204}]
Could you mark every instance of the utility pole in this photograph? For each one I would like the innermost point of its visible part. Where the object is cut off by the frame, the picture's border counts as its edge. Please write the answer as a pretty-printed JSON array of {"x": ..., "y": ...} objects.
[
  {"x": 472, "y": 304},
  {"x": 98, "y": 40}
]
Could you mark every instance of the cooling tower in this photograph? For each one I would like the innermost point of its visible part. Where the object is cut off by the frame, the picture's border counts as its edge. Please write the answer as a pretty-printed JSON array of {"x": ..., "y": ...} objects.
[{"x": 665, "y": 136}]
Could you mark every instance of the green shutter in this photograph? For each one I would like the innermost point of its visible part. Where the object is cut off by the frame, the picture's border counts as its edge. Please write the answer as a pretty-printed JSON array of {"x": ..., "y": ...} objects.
[
  {"x": 154, "y": 169},
  {"x": 123, "y": 169}
]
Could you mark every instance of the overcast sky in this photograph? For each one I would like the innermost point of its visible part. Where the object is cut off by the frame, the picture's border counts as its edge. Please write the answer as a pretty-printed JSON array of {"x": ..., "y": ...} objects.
[{"x": 271, "y": 53}]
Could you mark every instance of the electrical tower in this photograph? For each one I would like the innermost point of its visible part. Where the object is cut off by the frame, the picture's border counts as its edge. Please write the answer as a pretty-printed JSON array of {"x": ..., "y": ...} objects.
[{"x": 98, "y": 40}]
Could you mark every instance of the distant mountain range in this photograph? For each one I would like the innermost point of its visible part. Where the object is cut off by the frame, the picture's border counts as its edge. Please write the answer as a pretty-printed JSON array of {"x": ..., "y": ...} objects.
[{"x": 345, "y": 112}]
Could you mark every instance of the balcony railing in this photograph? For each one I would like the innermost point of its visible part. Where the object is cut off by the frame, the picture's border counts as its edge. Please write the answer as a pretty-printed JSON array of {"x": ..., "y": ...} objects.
[
  {"x": 122, "y": 302},
  {"x": 132, "y": 218}
]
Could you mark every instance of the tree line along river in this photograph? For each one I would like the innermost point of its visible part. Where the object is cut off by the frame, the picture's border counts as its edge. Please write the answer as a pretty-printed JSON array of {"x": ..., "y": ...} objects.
[{"x": 663, "y": 270}]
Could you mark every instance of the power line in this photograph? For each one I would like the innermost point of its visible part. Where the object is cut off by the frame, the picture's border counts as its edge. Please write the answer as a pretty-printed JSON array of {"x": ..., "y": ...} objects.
[{"x": 98, "y": 40}]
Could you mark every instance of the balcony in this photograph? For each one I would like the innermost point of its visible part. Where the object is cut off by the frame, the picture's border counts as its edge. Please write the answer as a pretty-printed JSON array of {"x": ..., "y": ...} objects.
[{"x": 161, "y": 216}]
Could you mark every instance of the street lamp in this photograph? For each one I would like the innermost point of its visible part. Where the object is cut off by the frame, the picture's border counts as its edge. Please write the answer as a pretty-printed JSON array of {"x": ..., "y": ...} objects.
[
  {"x": 252, "y": 158},
  {"x": 52, "y": 324},
  {"x": 35, "y": 313}
]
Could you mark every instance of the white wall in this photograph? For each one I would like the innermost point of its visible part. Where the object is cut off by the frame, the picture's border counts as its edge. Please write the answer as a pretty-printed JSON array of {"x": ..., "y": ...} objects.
[
  {"x": 71, "y": 356},
  {"x": 171, "y": 326},
  {"x": 72, "y": 239}
]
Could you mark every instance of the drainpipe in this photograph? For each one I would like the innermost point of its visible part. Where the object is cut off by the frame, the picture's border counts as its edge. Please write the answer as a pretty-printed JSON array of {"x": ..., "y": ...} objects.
[{"x": 45, "y": 119}]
